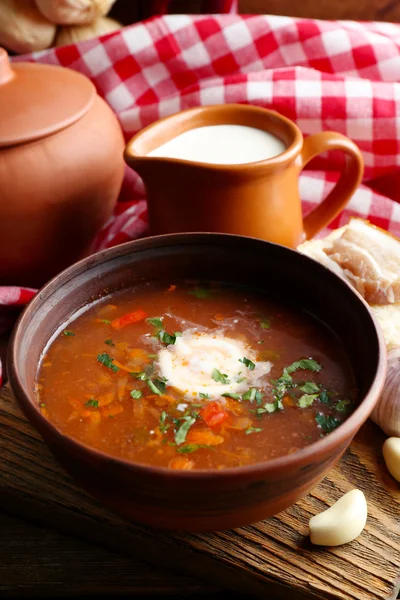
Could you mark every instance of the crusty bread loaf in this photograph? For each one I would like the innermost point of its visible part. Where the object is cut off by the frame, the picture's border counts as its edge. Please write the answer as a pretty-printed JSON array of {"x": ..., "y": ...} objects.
[
  {"x": 369, "y": 259},
  {"x": 366, "y": 256}
]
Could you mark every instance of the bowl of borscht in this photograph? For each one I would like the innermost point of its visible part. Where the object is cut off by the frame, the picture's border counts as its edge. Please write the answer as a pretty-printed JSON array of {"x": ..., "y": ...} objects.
[{"x": 197, "y": 381}]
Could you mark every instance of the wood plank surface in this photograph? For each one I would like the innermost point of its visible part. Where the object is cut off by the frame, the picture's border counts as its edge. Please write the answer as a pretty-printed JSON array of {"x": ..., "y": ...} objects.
[
  {"x": 40, "y": 563},
  {"x": 273, "y": 556}
]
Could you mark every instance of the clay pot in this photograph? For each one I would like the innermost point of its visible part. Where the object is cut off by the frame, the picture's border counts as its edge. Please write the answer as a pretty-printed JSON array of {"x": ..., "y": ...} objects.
[
  {"x": 61, "y": 169},
  {"x": 203, "y": 499}
]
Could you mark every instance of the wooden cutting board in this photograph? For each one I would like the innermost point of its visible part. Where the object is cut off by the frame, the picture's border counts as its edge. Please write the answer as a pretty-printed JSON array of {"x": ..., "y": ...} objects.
[{"x": 272, "y": 557}]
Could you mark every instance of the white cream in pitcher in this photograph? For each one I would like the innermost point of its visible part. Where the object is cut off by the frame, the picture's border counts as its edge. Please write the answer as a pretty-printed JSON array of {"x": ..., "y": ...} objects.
[{"x": 222, "y": 144}]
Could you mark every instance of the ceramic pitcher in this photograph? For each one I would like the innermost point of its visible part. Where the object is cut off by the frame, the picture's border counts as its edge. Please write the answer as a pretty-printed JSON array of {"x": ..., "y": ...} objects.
[{"x": 259, "y": 199}]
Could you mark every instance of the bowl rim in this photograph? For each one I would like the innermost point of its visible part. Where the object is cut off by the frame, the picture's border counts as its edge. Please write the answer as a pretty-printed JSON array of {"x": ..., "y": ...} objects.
[{"x": 324, "y": 446}]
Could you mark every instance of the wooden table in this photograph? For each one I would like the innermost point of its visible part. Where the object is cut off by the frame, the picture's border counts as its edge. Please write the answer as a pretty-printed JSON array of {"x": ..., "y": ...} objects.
[{"x": 38, "y": 562}]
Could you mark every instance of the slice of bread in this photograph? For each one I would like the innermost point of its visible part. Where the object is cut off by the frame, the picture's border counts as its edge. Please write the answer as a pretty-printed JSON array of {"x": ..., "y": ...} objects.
[
  {"x": 366, "y": 256},
  {"x": 388, "y": 317}
]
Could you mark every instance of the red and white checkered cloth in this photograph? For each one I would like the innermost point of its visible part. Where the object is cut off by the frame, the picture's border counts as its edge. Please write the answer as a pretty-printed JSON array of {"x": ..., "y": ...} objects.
[{"x": 341, "y": 76}]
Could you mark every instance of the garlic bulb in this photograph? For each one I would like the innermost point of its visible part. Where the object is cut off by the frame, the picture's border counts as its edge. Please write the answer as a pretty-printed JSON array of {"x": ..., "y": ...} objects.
[
  {"x": 79, "y": 33},
  {"x": 23, "y": 28},
  {"x": 73, "y": 12},
  {"x": 387, "y": 412}
]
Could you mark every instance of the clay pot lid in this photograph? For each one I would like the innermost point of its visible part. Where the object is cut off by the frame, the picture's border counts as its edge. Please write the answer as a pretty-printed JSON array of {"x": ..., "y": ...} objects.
[{"x": 37, "y": 100}]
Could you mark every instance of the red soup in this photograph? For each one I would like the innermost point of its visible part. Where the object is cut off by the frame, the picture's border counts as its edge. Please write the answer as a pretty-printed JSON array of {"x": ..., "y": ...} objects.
[{"x": 195, "y": 377}]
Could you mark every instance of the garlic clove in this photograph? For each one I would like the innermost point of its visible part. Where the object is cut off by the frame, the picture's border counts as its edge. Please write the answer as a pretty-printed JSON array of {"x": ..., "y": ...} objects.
[
  {"x": 79, "y": 33},
  {"x": 73, "y": 12},
  {"x": 391, "y": 454},
  {"x": 342, "y": 522},
  {"x": 386, "y": 414},
  {"x": 23, "y": 28}
]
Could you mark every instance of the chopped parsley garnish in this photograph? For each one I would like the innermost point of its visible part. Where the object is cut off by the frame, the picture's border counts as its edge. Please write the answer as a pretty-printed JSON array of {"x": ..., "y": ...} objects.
[
  {"x": 168, "y": 338},
  {"x": 109, "y": 342},
  {"x": 306, "y": 364},
  {"x": 201, "y": 293},
  {"x": 136, "y": 394},
  {"x": 204, "y": 396},
  {"x": 285, "y": 381},
  {"x": 219, "y": 377},
  {"x": 342, "y": 405},
  {"x": 107, "y": 360},
  {"x": 105, "y": 321},
  {"x": 152, "y": 356},
  {"x": 309, "y": 388},
  {"x": 142, "y": 375},
  {"x": 156, "y": 322},
  {"x": 232, "y": 395},
  {"x": 157, "y": 386},
  {"x": 270, "y": 407},
  {"x": 253, "y": 394},
  {"x": 92, "y": 402},
  {"x": 324, "y": 397},
  {"x": 67, "y": 333},
  {"x": 191, "y": 448},
  {"x": 42, "y": 405},
  {"x": 265, "y": 324},
  {"x": 181, "y": 433},
  {"x": 241, "y": 379},
  {"x": 248, "y": 363},
  {"x": 163, "y": 422},
  {"x": 252, "y": 430},
  {"x": 306, "y": 400},
  {"x": 327, "y": 422}
]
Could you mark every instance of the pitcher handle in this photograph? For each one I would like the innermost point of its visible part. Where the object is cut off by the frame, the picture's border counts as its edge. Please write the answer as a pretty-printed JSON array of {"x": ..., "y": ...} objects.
[{"x": 350, "y": 178}]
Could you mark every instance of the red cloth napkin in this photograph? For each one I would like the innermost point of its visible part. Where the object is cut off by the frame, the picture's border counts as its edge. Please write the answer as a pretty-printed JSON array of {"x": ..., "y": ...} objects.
[{"x": 341, "y": 76}]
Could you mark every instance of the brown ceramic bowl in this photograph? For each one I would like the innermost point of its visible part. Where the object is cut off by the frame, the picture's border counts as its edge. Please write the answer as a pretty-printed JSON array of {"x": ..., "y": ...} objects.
[{"x": 203, "y": 499}]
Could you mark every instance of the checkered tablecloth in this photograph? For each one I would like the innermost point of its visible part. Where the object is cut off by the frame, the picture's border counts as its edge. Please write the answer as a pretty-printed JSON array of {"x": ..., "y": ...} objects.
[{"x": 341, "y": 76}]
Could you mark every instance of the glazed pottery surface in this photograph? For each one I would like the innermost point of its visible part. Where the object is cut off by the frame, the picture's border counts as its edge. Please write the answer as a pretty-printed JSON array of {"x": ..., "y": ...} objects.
[
  {"x": 204, "y": 499},
  {"x": 61, "y": 169},
  {"x": 259, "y": 199}
]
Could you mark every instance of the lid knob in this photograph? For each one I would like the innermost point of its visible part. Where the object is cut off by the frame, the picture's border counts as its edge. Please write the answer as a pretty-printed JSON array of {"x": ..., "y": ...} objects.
[{"x": 6, "y": 72}]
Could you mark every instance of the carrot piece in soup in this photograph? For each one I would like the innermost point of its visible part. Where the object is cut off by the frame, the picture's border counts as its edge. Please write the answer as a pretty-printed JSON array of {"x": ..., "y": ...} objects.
[
  {"x": 112, "y": 410},
  {"x": 93, "y": 416},
  {"x": 162, "y": 400},
  {"x": 213, "y": 415},
  {"x": 76, "y": 404},
  {"x": 204, "y": 437},
  {"x": 172, "y": 288},
  {"x": 121, "y": 385},
  {"x": 105, "y": 311},
  {"x": 182, "y": 463},
  {"x": 139, "y": 353},
  {"x": 106, "y": 399},
  {"x": 288, "y": 401},
  {"x": 240, "y": 424},
  {"x": 122, "y": 367},
  {"x": 133, "y": 317},
  {"x": 44, "y": 412},
  {"x": 138, "y": 359},
  {"x": 157, "y": 438}
]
